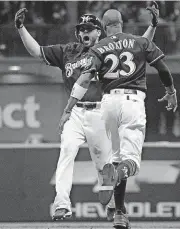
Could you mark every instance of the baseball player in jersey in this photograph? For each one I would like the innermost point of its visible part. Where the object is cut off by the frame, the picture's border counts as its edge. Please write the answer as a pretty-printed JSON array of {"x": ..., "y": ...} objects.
[
  {"x": 121, "y": 60},
  {"x": 85, "y": 123}
]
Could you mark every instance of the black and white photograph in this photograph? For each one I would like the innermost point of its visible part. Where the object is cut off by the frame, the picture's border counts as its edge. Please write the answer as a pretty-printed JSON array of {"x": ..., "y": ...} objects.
[{"x": 89, "y": 114}]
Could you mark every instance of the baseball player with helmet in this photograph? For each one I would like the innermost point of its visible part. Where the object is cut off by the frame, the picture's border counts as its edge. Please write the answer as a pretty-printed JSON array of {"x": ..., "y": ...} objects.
[{"x": 85, "y": 123}]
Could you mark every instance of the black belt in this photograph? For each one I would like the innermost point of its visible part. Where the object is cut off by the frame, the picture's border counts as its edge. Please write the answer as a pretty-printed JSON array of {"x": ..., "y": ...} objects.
[{"x": 87, "y": 105}]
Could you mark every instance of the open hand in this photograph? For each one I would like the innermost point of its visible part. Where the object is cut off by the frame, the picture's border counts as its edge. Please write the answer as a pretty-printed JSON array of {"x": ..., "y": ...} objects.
[
  {"x": 154, "y": 10},
  {"x": 20, "y": 17},
  {"x": 65, "y": 117},
  {"x": 172, "y": 101}
]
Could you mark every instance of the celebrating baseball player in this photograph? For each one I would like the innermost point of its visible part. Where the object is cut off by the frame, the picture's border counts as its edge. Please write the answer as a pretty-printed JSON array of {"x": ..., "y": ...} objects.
[
  {"x": 120, "y": 59},
  {"x": 84, "y": 121}
]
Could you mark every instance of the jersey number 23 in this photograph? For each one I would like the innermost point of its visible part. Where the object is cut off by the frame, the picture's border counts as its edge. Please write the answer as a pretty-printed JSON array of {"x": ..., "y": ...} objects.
[{"x": 112, "y": 74}]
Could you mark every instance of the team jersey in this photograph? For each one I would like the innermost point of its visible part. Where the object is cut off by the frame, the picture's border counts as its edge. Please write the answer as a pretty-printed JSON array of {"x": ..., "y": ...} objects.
[
  {"x": 121, "y": 61},
  {"x": 71, "y": 59}
]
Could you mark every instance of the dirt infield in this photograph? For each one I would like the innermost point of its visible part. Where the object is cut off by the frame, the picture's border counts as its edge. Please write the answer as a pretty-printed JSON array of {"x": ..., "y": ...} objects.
[{"x": 89, "y": 225}]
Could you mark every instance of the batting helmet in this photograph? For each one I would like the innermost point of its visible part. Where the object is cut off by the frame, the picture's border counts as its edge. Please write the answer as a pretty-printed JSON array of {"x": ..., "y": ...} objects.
[{"x": 89, "y": 20}]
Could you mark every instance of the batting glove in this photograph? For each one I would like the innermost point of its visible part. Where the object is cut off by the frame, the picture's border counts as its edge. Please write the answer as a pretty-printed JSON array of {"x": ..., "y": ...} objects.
[
  {"x": 154, "y": 10},
  {"x": 20, "y": 17}
]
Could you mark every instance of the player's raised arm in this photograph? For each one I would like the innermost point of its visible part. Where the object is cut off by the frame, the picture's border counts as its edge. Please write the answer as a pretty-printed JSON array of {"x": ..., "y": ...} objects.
[
  {"x": 154, "y": 10},
  {"x": 29, "y": 42}
]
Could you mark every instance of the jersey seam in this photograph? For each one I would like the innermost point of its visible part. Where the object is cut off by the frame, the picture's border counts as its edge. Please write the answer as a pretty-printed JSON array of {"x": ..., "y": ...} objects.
[
  {"x": 44, "y": 57},
  {"x": 156, "y": 59}
]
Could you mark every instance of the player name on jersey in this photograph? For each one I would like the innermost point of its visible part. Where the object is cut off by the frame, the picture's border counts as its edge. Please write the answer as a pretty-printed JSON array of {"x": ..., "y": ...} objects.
[{"x": 125, "y": 43}]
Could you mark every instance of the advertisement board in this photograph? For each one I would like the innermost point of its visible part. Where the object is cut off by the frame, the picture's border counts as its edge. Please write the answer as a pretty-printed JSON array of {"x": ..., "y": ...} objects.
[
  {"x": 28, "y": 178},
  {"x": 35, "y": 109},
  {"x": 31, "y": 109}
]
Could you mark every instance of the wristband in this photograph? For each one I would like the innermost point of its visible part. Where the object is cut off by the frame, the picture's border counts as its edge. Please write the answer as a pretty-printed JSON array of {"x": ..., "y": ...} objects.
[
  {"x": 20, "y": 26},
  {"x": 171, "y": 93},
  {"x": 154, "y": 26},
  {"x": 67, "y": 111},
  {"x": 78, "y": 92}
]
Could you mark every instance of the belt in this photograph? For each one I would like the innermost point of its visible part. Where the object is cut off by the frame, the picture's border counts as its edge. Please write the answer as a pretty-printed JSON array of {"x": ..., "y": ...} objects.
[
  {"x": 132, "y": 94},
  {"x": 123, "y": 91},
  {"x": 88, "y": 105}
]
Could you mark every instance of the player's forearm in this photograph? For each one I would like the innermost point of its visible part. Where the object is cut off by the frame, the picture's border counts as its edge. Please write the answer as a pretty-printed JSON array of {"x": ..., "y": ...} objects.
[
  {"x": 79, "y": 90},
  {"x": 165, "y": 76},
  {"x": 71, "y": 103},
  {"x": 30, "y": 43},
  {"x": 149, "y": 34},
  {"x": 85, "y": 79}
]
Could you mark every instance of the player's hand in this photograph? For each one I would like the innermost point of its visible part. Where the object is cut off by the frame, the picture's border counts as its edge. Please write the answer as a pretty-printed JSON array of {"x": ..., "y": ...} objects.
[
  {"x": 154, "y": 10},
  {"x": 172, "y": 101},
  {"x": 65, "y": 117},
  {"x": 20, "y": 17}
]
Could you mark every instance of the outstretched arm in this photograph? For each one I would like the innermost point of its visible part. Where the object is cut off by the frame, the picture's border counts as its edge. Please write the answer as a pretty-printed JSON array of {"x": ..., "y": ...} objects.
[
  {"x": 154, "y": 10},
  {"x": 29, "y": 42}
]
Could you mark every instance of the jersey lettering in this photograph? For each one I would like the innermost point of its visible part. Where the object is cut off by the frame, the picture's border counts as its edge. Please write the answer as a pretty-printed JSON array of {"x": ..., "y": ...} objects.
[
  {"x": 115, "y": 62},
  {"x": 70, "y": 67}
]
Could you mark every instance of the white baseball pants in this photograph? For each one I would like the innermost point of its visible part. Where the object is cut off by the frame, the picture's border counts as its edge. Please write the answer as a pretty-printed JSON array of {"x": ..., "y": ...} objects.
[
  {"x": 125, "y": 123},
  {"x": 83, "y": 125}
]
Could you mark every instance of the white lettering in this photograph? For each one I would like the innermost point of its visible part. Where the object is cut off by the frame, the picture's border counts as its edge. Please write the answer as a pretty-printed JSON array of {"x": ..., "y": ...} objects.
[
  {"x": 31, "y": 108},
  {"x": 125, "y": 43},
  {"x": 69, "y": 70},
  {"x": 111, "y": 46},
  {"x": 77, "y": 210},
  {"x": 106, "y": 48},
  {"x": 135, "y": 209},
  {"x": 164, "y": 210},
  {"x": 147, "y": 210},
  {"x": 8, "y": 112},
  {"x": 101, "y": 50},
  {"x": 89, "y": 210},
  {"x": 26, "y": 114},
  {"x": 131, "y": 43},
  {"x": 117, "y": 45}
]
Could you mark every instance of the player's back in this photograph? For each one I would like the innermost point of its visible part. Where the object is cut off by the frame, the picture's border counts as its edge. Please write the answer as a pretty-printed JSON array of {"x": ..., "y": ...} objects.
[{"x": 123, "y": 58}]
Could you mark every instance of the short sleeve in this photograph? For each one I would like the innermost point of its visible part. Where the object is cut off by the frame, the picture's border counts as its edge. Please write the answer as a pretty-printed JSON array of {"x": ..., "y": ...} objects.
[
  {"x": 93, "y": 63},
  {"x": 153, "y": 53},
  {"x": 53, "y": 55}
]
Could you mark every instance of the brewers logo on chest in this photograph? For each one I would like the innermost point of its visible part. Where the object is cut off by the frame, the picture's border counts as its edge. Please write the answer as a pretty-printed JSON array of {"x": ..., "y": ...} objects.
[{"x": 70, "y": 67}]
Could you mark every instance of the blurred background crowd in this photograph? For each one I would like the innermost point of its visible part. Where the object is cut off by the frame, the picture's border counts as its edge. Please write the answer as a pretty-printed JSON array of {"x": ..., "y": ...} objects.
[{"x": 52, "y": 22}]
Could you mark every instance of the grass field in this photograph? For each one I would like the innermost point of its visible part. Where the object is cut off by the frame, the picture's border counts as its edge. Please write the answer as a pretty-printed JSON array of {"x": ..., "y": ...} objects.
[{"x": 89, "y": 225}]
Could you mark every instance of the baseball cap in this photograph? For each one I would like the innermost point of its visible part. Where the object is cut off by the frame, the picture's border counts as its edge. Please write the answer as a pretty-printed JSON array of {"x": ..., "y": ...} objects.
[
  {"x": 112, "y": 17},
  {"x": 89, "y": 20}
]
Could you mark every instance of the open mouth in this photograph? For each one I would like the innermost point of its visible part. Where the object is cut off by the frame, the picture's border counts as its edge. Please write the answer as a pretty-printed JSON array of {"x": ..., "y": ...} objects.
[{"x": 86, "y": 39}]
